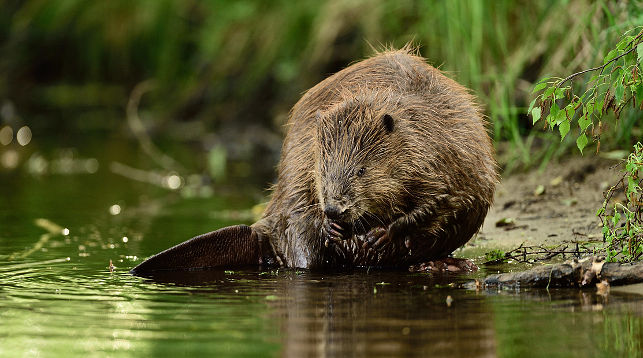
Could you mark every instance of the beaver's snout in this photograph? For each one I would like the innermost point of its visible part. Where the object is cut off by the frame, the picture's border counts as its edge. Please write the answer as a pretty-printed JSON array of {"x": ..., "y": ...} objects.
[
  {"x": 335, "y": 212},
  {"x": 338, "y": 217}
]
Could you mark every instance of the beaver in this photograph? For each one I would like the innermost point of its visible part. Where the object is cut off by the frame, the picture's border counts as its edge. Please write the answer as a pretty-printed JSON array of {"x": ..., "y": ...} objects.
[{"x": 385, "y": 163}]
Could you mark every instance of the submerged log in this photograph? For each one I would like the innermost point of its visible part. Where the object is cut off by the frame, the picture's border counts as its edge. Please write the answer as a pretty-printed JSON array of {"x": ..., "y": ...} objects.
[{"x": 573, "y": 273}]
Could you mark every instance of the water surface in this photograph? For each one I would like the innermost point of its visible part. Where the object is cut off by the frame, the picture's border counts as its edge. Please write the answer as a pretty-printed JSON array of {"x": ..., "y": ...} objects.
[{"x": 58, "y": 296}]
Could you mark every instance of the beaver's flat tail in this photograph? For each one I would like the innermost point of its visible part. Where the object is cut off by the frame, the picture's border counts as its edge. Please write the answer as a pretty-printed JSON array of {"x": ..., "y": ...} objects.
[{"x": 230, "y": 246}]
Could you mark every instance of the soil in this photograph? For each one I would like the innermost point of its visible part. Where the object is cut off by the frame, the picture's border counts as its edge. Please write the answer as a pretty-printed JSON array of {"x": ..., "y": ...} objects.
[{"x": 547, "y": 207}]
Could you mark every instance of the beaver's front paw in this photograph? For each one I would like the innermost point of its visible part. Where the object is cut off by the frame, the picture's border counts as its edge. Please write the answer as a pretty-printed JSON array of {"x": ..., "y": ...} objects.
[
  {"x": 379, "y": 238},
  {"x": 334, "y": 232},
  {"x": 402, "y": 234},
  {"x": 376, "y": 238}
]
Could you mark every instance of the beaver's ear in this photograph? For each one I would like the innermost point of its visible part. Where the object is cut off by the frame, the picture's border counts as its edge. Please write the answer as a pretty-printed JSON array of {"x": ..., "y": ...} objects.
[{"x": 387, "y": 122}]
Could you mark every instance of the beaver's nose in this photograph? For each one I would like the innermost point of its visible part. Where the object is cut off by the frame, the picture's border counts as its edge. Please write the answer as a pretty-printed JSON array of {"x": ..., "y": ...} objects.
[{"x": 333, "y": 212}]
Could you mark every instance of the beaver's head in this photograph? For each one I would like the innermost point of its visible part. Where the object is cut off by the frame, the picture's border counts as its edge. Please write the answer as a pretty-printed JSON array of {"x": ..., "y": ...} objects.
[{"x": 359, "y": 158}]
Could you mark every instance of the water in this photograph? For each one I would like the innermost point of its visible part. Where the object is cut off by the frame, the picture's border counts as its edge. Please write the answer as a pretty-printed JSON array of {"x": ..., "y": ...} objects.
[{"x": 58, "y": 296}]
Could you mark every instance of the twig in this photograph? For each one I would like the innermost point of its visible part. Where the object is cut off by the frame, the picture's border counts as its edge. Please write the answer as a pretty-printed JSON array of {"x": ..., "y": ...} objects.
[{"x": 530, "y": 253}]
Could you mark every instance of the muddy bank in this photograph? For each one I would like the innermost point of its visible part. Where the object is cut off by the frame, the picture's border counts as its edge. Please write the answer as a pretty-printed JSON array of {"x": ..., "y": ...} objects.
[
  {"x": 540, "y": 219},
  {"x": 555, "y": 206}
]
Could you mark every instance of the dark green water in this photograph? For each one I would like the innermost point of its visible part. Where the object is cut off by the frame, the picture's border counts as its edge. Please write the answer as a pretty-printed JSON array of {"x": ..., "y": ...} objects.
[{"x": 58, "y": 297}]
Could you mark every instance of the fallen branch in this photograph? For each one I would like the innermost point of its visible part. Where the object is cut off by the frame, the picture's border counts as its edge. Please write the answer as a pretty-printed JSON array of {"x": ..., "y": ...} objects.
[{"x": 572, "y": 273}]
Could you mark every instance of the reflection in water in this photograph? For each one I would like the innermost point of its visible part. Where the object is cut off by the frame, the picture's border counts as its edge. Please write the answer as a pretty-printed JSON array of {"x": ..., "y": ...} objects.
[
  {"x": 364, "y": 314},
  {"x": 381, "y": 315},
  {"x": 359, "y": 313},
  {"x": 401, "y": 314}
]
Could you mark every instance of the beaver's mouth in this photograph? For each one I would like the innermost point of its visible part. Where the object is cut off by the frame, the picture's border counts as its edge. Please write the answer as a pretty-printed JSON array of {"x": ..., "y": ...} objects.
[
  {"x": 346, "y": 227},
  {"x": 359, "y": 226}
]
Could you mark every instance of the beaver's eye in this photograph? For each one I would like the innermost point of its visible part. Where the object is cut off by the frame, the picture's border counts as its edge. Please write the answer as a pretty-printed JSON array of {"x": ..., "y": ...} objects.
[{"x": 361, "y": 171}]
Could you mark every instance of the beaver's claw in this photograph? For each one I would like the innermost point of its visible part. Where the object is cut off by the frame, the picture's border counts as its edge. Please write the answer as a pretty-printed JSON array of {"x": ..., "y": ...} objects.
[
  {"x": 334, "y": 232},
  {"x": 379, "y": 238},
  {"x": 376, "y": 238}
]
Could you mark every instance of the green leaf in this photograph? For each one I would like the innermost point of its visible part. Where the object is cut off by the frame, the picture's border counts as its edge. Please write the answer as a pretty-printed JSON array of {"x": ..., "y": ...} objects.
[
  {"x": 560, "y": 93},
  {"x": 548, "y": 92},
  {"x": 581, "y": 142},
  {"x": 531, "y": 105},
  {"x": 535, "y": 113},
  {"x": 584, "y": 122},
  {"x": 560, "y": 116},
  {"x": 610, "y": 55},
  {"x": 639, "y": 52},
  {"x": 570, "y": 111},
  {"x": 563, "y": 127},
  {"x": 590, "y": 108},
  {"x": 618, "y": 92},
  {"x": 599, "y": 106},
  {"x": 639, "y": 93},
  {"x": 539, "y": 86},
  {"x": 553, "y": 113},
  {"x": 623, "y": 43},
  {"x": 618, "y": 73},
  {"x": 627, "y": 76},
  {"x": 631, "y": 185}
]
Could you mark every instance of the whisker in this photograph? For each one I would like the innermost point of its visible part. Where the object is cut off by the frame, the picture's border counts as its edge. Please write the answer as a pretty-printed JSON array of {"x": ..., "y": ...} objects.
[
  {"x": 361, "y": 224},
  {"x": 371, "y": 215}
]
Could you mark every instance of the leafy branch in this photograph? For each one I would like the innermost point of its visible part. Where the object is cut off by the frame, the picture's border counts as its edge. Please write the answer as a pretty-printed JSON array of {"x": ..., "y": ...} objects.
[
  {"x": 637, "y": 40},
  {"x": 617, "y": 83},
  {"x": 624, "y": 238}
]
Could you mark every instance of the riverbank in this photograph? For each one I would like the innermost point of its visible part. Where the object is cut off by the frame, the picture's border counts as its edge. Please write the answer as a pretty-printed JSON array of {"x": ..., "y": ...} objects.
[{"x": 550, "y": 208}]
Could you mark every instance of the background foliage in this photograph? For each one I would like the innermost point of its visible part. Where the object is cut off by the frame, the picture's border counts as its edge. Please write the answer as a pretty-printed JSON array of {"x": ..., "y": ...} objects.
[{"x": 223, "y": 68}]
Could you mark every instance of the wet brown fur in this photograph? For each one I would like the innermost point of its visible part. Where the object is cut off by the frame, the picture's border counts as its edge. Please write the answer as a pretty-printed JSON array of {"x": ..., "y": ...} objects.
[{"x": 429, "y": 181}]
